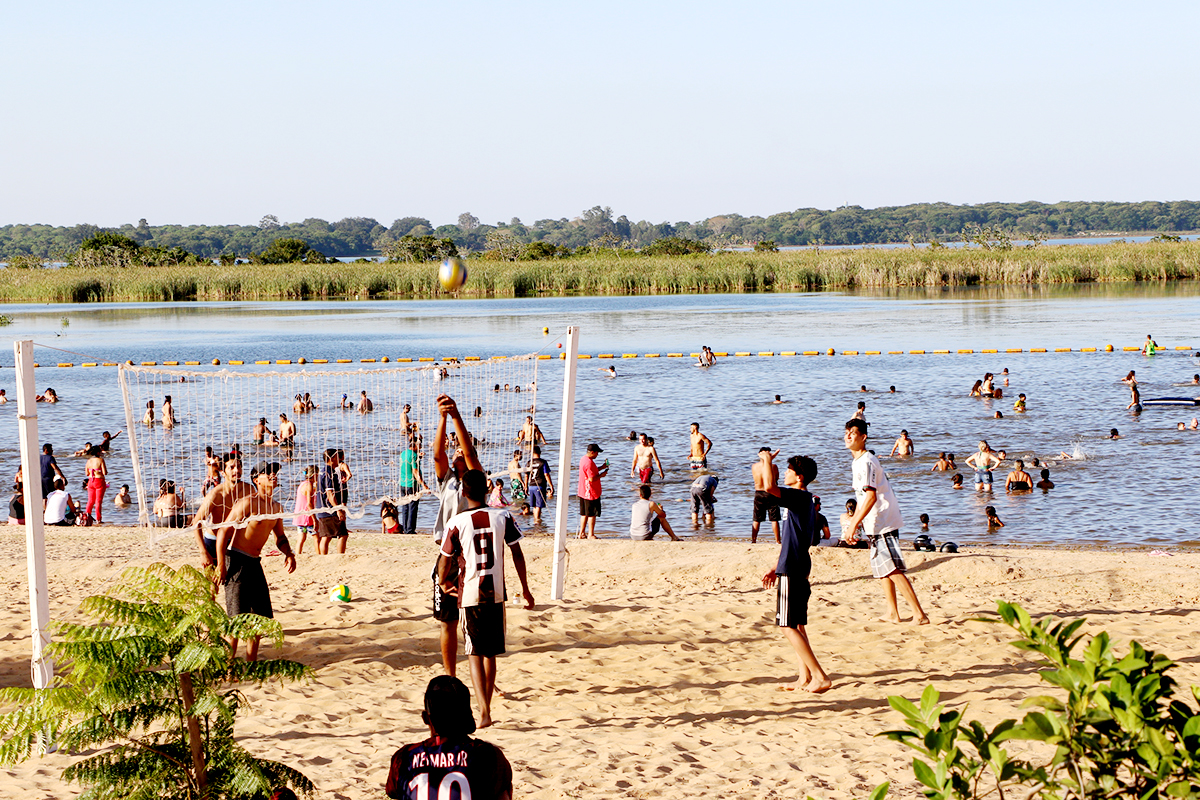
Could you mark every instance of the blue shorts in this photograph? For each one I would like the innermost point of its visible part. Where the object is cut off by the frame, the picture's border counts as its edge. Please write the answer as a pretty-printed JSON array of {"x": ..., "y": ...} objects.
[
  {"x": 983, "y": 476},
  {"x": 536, "y": 498}
]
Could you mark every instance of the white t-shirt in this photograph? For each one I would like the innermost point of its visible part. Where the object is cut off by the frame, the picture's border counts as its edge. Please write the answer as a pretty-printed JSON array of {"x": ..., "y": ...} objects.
[
  {"x": 452, "y": 502},
  {"x": 641, "y": 515},
  {"x": 884, "y": 516},
  {"x": 56, "y": 507},
  {"x": 473, "y": 535}
]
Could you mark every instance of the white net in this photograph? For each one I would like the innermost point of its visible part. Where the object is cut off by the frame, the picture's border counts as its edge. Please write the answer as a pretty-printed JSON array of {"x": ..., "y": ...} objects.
[{"x": 243, "y": 408}]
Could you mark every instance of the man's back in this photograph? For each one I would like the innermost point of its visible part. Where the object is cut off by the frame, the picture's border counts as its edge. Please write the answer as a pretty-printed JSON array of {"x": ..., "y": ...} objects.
[
  {"x": 479, "y": 535},
  {"x": 435, "y": 767}
]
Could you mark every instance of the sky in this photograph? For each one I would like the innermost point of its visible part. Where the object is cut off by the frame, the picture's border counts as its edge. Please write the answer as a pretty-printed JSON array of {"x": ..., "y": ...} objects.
[{"x": 223, "y": 112}]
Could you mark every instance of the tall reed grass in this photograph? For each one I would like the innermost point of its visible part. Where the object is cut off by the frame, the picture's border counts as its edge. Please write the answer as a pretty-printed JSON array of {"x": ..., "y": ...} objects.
[{"x": 805, "y": 270}]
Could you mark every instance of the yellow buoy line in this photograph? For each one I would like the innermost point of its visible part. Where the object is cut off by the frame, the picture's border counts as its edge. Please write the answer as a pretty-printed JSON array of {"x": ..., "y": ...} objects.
[{"x": 1108, "y": 348}]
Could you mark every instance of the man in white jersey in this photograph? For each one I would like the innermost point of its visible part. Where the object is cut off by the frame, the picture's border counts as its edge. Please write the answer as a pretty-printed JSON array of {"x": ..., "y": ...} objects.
[
  {"x": 879, "y": 514},
  {"x": 449, "y": 482},
  {"x": 471, "y": 567}
]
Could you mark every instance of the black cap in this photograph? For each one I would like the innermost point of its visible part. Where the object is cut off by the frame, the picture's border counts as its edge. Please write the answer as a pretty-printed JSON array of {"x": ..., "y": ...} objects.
[
  {"x": 264, "y": 467},
  {"x": 594, "y": 448}
]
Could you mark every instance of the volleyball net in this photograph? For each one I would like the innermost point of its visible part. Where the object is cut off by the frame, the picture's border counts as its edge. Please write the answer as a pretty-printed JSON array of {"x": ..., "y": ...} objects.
[{"x": 175, "y": 415}]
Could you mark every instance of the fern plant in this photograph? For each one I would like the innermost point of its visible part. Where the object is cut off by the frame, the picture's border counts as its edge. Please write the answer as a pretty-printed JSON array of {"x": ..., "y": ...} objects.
[{"x": 151, "y": 685}]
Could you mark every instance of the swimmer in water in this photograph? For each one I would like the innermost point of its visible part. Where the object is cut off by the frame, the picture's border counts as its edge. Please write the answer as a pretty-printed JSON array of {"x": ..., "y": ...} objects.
[
  {"x": 904, "y": 445},
  {"x": 924, "y": 522},
  {"x": 987, "y": 388},
  {"x": 778, "y": 399},
  {"x": 891, "y": 390},
  {"x": 1195, "y": 423},
  {"x": 862, "y": 388},
  {"x": 993, "y": 519},
  {"x": 1018, "y": 480},
  {"x": 942, "y": 465},
  {"x": 998, "y": 415},
  {"x": 956, "y": 481},
  {"x": 1196, "y": 378},
  {"x": 609, "y": 371},
  {"x": 1113, "y": 434},
  {"x": 1004, "y": 374},
  {"x": 1135, "y": 398},
  {"x": 950, "y": 458},
  {"x": 1019, "y": 405},
  {"x": 1180, "y": 426},
  {"x": 975, "y": 391},
  {"x": 1131, "y": 378},
  {"x": 861, "y": 413},
  {"x": 1149, "y": 347},
  {"x": 1045, "y": 482}
]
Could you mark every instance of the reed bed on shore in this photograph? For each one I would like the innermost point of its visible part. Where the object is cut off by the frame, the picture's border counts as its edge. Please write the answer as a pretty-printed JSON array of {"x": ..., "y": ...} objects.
[{"x": 616, "y": 274}]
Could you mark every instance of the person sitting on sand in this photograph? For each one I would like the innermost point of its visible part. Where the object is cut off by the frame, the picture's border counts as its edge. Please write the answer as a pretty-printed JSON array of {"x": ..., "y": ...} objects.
[
  {"x": 1045, "y": 482},
  {"x": 647, "y": 517},
  {"x": 1018, "y": 480},
  {"x": 389, "y": 518},
  {"x": 993, "y": 519},
  {"x": 791, "y": 571}
]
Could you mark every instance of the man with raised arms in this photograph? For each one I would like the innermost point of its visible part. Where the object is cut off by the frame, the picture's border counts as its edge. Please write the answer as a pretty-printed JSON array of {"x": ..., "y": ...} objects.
[
  {"x": 879, "y": 514},
  {"x": 471, "y": 568},
  {"x": 449, "y": 758},
  {"x": 701, "y": 444},
  {"x": 766, "y": 493},
  {"x": 239, "y": 552},
  {"x": 790, "y": 575},
  {"x": 217, "y": 505},
  {"x": 449, "y": 473}
]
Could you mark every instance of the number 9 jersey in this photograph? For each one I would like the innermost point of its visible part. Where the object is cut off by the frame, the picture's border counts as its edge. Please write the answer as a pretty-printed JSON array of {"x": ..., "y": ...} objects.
[{"x": 477, "y": 538}]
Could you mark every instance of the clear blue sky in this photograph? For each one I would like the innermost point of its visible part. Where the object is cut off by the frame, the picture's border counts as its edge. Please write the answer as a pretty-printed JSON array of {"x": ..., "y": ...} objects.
[{"x": 221, "y": 112}]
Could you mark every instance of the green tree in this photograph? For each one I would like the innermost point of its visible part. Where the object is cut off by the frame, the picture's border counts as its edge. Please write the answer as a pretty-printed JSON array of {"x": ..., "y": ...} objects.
[
  {"x": 409, "y": 249},
  {"x": 289, "y": 251},
  {"x": 147, "y": 688}
]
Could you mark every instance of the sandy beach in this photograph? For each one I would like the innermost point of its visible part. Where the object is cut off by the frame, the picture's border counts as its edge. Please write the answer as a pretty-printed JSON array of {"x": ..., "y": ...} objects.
[{"x": 658, "y": 676}]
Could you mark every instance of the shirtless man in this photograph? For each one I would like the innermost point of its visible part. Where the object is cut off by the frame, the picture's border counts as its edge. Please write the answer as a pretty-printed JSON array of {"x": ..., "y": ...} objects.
[
  {"x": 903, "y": 445},
  {"x": 298, "y": 405},
  {"x": 701, "y": 445},
  {"x": 861, "y": 411},
  {"x": 260, "y": 433},
  {"x": 240, "y": 569},
  {"x": 943, "y": 464},
  {"x": 217, "y": 505},
  {"x": 530, "y": 433},
  {"x": 365, "y": 406},
  {"x": 645, "y": 457},
  {"x": 287, "y": 432},
  {"x": 766, "y": 493}
]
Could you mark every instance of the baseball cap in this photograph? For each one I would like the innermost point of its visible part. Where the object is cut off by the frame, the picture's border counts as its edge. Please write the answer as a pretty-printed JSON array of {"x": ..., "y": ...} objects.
[
  {"x": 594, "y": 448},
  {"x": 264, "y": 467}
]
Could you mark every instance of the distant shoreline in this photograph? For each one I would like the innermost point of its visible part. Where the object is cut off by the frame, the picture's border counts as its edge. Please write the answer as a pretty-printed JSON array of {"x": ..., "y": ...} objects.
[{"x": 617, "y": 273}]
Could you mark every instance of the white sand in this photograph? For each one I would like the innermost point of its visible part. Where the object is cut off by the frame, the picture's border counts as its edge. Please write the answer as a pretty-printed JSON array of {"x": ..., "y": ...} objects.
[{"x": 659, "y": 676}]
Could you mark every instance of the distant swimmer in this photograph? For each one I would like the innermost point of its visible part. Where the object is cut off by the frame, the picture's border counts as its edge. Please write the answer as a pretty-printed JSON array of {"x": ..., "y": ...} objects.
[
  {"x": 1045, "y": 482},
  {"x": 1131, "y": 378},
  {"x": 701, "y": 445},
  {"x": 778, "y": 399},
  {"x": 766, "y": 493},
  {"x": 998, "y": 415},
  {"x": 904, "y": 445},
  {"x": 1113, "y": 433},
  {"x": 975, "y": 390},
  {"x": 287, "y": 431},
  {"x": 530, "y": 432},
  {"x": 862, "y": 388},
  {"x": 942, "y": 465},
  {"x": 861, "y": 411},
  {"x": 1004, "y": 374},
  {"x": 365, "y": 406},
  {"x": 346, "y": 401},
  {"x": 891, "y": 390},
  {"x": 950, "y": 458},
  {"x": 1195, "y": 380},
  {"x": 956, "y": 482},
  {"x": 1180, "y": 426},
  {"x": 1149, "y": 347},
  {"x": 611, "y": 372},
  {"x": 993, "y": 519},
  {"x": 1018, "y": 480},
  {"x": 168, "y": 413},
  {"x": 1195, "y": 424},
  {"x": 1019, "y": 405},
  {"x": 1135, "y": 398}
]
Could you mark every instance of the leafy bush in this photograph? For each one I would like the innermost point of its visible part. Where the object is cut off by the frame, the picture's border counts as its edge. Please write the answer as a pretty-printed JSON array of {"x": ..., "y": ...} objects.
[
  {"x": 675, "y": 246},
  {"x": 1118, "y": 733},
  {"x": 146, "y": 687}
]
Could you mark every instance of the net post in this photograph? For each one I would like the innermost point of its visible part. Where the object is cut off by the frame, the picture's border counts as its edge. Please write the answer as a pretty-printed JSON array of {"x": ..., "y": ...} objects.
[
  {"x": 565, "y": 438},
  {"x": 41, "y": 668},
  {"x": 143, "y": 515}
]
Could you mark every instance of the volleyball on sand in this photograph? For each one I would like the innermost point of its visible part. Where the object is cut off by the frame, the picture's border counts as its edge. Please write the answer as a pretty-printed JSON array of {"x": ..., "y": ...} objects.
[
  {"x": 452, "y": 274},
  {"x": 340, "y": 594}
]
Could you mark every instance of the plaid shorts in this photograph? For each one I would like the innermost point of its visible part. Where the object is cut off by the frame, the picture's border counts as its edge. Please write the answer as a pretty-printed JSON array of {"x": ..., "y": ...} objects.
[{"x": 886, "y": 557}]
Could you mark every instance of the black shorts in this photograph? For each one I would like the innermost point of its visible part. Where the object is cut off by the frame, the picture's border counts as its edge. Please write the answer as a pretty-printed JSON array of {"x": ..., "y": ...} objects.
[
  {"x": 766, "y": 506},
  {"x": 445, "y": 606},
  {"x": 589, "y": 508},
  {"x": 791, "y": 601},
  {"x": 331, "y": 527},
  {"x": 483, "y": 629},
  {"x": 210, "y": 547},
  {"x": 246, "y": 590}
]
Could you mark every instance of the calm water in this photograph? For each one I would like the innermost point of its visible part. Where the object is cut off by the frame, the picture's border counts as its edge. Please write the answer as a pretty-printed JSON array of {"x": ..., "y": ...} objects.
[{"x": 1123, "y": 493}]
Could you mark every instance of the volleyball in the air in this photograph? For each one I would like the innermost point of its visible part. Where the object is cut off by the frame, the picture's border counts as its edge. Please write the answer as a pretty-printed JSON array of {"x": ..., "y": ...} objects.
[
  {"x": 340, "y": 594},
  {"x": 452, "y": 274}
]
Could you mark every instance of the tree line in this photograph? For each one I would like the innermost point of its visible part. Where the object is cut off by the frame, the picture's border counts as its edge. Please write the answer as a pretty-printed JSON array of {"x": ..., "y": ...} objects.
[{"x": 416, "y": 238}]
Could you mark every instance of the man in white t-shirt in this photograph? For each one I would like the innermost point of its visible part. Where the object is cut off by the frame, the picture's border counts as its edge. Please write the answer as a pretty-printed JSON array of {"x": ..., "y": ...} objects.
[
  {"x": 879, "y": 514},
  {"x": 449, "y": 474},
  {"x": 60, "y": 508},
  {"x": 471, "y": 568}
]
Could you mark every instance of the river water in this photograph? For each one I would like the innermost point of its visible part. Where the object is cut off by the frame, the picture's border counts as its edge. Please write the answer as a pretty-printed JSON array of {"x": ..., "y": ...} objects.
[{"x": 1129, "y": 492}]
